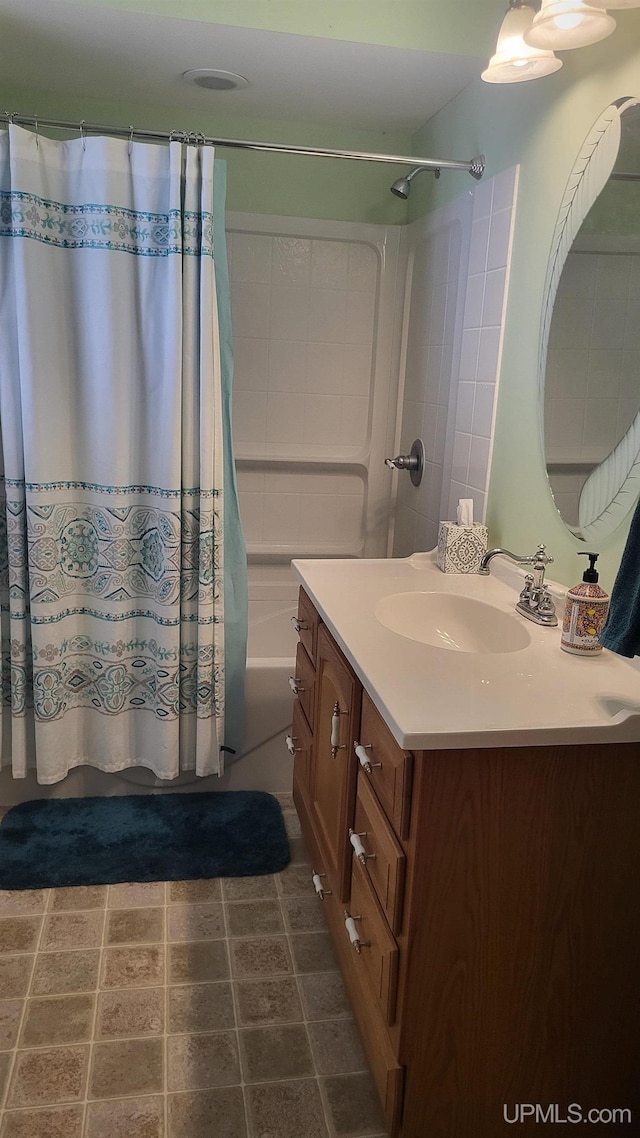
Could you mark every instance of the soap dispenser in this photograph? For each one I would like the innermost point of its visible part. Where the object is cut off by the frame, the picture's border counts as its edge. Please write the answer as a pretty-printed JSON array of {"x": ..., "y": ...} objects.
[{"x": 585, "y": 613}]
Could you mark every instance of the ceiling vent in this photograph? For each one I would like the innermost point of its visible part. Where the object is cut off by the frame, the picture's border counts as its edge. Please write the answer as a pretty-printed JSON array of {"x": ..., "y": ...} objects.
[{"x": 214, "y": 80}]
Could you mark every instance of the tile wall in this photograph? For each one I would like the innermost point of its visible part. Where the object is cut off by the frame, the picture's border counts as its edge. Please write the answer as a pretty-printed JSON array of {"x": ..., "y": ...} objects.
[
  {"x": 433, "y": 305},
  {"x": 458, "y": 265},
  {"x": 593, "y": 363}
]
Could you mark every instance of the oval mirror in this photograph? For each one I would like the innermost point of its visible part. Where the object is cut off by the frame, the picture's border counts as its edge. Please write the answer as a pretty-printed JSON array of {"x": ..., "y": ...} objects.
[{"x": 590, "y": 336}]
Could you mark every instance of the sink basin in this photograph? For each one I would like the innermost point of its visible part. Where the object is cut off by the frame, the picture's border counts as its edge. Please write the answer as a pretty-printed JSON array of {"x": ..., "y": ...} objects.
[{"x": 445, "y": 620}]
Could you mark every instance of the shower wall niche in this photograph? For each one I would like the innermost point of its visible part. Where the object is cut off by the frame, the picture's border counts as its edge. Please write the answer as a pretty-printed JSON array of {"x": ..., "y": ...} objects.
[{"x": 314, "y": 305}]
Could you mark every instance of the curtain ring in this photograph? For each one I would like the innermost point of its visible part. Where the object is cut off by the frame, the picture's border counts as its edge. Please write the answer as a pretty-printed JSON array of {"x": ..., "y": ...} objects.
[
  {"x": 82, "y": 135},
  {"x": 9, "y": 116},
  {"x": 130, "y": 139}
]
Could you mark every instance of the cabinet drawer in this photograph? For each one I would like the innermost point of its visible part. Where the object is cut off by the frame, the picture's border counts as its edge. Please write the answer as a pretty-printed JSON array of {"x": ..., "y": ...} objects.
[
  {"x": 386, "y": 1071},
  {"x": 391, "y": 767},
  {"x": 378, "y": 956},
  {"x": 307, "y": 626},
  {"x": 384, "y": 856},
  {"x": 305, "y": 683}
]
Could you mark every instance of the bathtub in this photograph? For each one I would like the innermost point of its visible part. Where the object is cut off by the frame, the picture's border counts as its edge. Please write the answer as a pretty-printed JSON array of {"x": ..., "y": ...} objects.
[{"x": 264, "y": 762}]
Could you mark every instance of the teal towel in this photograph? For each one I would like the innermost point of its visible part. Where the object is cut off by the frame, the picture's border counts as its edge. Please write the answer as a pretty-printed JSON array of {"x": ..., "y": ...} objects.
[{"x": 622, "y": 631}]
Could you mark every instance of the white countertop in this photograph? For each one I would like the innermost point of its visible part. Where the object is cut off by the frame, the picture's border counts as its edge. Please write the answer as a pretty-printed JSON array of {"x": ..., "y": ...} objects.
[{"x": 435, "y": 697}]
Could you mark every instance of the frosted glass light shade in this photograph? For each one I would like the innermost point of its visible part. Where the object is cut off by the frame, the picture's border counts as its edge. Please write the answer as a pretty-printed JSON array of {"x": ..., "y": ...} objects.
[
  {"x": 516, "y": 61},
  {"x": 564, "y": 24}
]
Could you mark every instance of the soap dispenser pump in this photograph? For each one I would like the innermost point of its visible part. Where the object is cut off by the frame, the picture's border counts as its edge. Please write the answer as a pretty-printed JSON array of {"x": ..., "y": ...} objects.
[{"x": 585, "y": 613}]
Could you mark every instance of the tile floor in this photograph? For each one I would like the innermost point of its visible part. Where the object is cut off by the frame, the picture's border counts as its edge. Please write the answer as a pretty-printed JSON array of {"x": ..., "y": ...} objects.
[{"x": 189, "y": 1009}]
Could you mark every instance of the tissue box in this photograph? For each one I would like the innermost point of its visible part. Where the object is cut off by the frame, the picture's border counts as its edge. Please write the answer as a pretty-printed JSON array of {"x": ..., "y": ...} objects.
[{"x": 461, "y": 548}]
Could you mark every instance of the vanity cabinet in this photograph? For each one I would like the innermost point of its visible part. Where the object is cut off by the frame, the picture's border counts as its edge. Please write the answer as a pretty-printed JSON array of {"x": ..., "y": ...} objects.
[
  {"x": 484, "y": 909},
  {"x": 333, "y": 773}
]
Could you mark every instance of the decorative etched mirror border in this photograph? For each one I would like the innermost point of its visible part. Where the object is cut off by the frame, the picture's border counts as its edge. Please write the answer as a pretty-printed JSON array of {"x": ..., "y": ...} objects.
[{"x": 612, "y": 489}]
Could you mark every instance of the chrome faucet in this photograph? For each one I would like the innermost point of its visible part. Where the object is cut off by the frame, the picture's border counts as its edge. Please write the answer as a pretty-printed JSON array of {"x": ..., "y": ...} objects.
[{"x": 535, "y": 602}]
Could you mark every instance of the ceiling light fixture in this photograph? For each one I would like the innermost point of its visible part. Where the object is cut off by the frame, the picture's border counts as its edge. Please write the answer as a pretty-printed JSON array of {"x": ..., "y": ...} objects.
[
  {"x": 515, "y": 60},
  {"x": 212, "y": 79},
  {"x": 561, "y": 25}
]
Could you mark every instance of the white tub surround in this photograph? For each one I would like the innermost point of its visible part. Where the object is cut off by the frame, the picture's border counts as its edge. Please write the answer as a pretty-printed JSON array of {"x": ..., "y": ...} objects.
[
  {"x": 440, "y": 697},
  {"x": 316, "y": 306}
]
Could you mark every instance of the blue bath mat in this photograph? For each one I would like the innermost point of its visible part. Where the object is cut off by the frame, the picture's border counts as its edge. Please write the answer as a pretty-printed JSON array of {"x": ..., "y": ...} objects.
[{"x": 141, "y": 837}]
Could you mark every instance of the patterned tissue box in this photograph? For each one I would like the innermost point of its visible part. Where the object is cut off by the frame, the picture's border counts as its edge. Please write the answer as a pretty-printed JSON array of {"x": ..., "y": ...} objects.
[{"x": 461, "y": 548}]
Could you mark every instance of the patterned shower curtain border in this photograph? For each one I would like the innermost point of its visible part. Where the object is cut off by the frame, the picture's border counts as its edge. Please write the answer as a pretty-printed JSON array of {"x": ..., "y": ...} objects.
[
  {"x": 102, "y": 226},
  {"x": 103, "y": 488}
]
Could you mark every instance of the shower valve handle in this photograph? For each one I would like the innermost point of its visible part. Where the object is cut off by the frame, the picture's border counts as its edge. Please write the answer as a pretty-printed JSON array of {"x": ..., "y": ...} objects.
[{"x": 413, "y": 462}]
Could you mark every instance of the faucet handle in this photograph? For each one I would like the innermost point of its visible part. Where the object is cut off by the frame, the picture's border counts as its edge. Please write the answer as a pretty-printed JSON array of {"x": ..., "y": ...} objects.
[
  {"x": 542, "y": 555},
  {"x": 525, "y": 594},
  {"x": 547, "y": 605}
]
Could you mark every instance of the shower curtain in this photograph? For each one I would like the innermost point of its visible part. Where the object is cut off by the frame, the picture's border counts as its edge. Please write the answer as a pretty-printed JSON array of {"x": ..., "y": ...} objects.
[{"x": 122, "y": 568}]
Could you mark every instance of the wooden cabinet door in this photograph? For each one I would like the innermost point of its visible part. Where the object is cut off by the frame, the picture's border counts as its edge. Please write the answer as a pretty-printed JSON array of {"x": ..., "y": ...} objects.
[
  {"x": 302, "y": 743},
  {"x": 338, "y": 696}
]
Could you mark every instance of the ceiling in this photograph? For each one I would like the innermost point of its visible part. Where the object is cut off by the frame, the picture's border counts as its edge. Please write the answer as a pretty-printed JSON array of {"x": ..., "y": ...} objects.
[{"x": 106, "y": 51}]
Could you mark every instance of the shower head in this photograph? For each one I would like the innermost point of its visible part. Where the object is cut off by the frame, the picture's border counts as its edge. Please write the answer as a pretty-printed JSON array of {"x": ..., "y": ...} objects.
[{"x": 402, "y": 186}]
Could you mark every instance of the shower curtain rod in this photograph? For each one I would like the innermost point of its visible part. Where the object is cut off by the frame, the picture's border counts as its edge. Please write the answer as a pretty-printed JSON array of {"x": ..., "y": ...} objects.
[
  {"x": 624, "y": 176},
  {"x": 475, "y": 166}
]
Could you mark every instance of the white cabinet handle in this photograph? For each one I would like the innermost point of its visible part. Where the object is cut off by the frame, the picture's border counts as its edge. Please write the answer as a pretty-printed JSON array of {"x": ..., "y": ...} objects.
[
  {"x": 319, "y": 887},
  {"x": 360, "y": 852},
  {"x": 335, "y": 728},
  {"x": 336, "y": 745},
  {"x": 365, "y": 762},
  {"x": 352, "y": 932},
  {"x": 291, "y": 740},
  {"x": 294, "y": 684},
  {"x": 299, "y": 625}
]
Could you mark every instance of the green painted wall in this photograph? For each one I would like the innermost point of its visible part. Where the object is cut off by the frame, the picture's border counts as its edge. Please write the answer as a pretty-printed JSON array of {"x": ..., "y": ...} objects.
[
  {"x": 539, "y": 125},
  {"x": 294, "y": 185}
]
